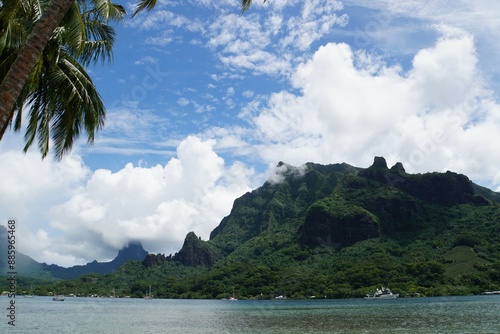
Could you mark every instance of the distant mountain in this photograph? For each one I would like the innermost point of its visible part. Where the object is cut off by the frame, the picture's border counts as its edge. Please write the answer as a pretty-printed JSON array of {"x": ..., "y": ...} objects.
[
  {"x": 26, "y": 266},
  {"x": 133, "y": 251}
]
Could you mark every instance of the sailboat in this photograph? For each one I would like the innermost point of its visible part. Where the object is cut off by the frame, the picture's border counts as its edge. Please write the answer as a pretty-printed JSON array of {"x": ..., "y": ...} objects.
[
  {"x": 150, "y": 296},
  {"x": 30, "y": 295},
  {"x": 233, "y": 297}
]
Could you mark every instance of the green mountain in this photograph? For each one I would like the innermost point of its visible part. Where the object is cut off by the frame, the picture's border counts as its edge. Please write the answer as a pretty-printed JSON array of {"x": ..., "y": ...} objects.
[
  {"x": 26, "y": 267},
  {"x": 332, "y": 231},
  {"x": 132, "y": 251}
]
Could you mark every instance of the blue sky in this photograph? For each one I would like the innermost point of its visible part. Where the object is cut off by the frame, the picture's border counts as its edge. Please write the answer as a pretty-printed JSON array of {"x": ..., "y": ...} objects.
[{"x": 203, "y": 102}]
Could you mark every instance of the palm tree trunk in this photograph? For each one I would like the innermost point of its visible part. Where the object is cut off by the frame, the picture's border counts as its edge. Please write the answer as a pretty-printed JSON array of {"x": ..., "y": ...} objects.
[{"x": 19, "y": 72}]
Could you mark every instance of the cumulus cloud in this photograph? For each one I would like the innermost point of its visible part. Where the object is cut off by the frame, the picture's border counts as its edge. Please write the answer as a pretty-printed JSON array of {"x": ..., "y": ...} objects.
[
  {"x": 269, "y": 42},
  {"x": 157, "y": 206},
  {"x": 92, "y": 215},
  {"x": 437, "y": 116},
  {"x": 283, "y": 170},
  {"x": 30, "y": 186},
  {"x": 247, "y": 41},
  {"x": 478, "y": 17}
]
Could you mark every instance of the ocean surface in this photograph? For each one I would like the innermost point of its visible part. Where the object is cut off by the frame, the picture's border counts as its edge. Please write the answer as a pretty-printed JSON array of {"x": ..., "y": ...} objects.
[{"x": 475, "y": 314}]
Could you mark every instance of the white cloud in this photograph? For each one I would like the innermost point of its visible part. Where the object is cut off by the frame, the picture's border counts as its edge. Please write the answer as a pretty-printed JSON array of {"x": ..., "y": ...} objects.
[
  {"x": 182, "y": 101},
  {"x": 437, "y": 116},
  {"x": 146, "y": 60},
  {"x": 279, "y": 173},
  {"x": 165, "y": 38},
  {"x": 315, "y": 21},
  {"x": 69, "y": 215},
  {"x": 444, "y": 75},
  {"x": 162, "y": 18},
  {"x": 248, "y": 93},
  {"x": 30, "y": 186},
  {"x": 478, "y": 17},
  {"x": 157, "y": 206},
  {"x": 270, "y": 42},
  {"x": 129, "y": 131}
]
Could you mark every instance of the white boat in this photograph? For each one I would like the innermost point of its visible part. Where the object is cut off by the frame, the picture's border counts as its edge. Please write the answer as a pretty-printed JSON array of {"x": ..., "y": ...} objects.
[
  {"x": 231, "y": 298},
  {"x": 30, "y": 295},
  {"x": 58, "y": 298},
  {"x": 382, "y": 293},
  {"x": 149, "y": 296}
]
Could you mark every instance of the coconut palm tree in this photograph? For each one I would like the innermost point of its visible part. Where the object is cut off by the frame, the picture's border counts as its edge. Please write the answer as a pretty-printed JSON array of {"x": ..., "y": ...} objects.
[
  {"x": 22, "y": 50},
  {"x": 60, "y": 95},
  {"x": 28, "y": 55}
]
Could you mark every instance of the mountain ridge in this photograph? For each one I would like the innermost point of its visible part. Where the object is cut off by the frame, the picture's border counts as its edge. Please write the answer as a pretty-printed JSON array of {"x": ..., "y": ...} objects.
[
  {"x": 26, "y": 266},
  {"x": 133, "y": 251},
  {"x": 332, "y": 230},
  {"x": 448, "y": 189}
]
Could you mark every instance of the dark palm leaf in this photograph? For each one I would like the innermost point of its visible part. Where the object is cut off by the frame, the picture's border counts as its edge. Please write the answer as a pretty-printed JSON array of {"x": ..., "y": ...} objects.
[
  {"x": 144, "y": 5},
  {"x": 245, "y": 4},
  {"x": 82, "y": 106},
  {"x": 64, "y": 103},
  {"x": 99, "y": 42}
]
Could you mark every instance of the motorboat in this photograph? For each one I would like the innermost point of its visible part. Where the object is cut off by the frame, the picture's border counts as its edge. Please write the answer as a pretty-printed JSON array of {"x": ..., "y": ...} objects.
[{"x": 382, "y": 293}]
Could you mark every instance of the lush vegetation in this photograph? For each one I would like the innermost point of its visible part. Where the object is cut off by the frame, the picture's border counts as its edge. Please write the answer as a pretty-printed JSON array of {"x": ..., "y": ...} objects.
[{"x": 428, "y": 242}]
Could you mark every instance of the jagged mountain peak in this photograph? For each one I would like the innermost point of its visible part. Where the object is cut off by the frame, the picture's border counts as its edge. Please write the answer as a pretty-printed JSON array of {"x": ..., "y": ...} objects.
[
  {"x": 133, "y": 250},
  {"x": 379, "y": 162}
]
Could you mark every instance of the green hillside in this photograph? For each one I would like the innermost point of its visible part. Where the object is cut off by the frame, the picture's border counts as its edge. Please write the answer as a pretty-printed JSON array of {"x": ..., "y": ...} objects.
[{"x": 336, "y": 231}]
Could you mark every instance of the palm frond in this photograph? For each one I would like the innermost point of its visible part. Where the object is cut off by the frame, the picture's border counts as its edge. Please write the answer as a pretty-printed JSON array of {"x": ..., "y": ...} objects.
[
  {"x": 72, "y": 30},
  {"x": 64, "y": 101},
  {"x": 17, "y": 19},
  {"x": 245, "y": 4},
  {"x": 144, "y": 5},
  {"x": 105, "y": 10},
  {"x": 12, "y": 36},
  {"x": 99, "y": 43},
  {"x": 82, "y": 107},
  {"x": 36, "y": 98},
  {"x": 33, "y": 86}
]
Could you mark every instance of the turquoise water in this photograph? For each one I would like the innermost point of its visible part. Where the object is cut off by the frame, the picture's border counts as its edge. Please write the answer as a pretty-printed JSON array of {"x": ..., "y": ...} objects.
[{"x": 478, "y": 314}]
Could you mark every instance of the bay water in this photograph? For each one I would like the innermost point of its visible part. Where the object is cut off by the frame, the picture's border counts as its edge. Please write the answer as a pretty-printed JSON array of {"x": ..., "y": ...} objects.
[{"x": 471, "y": 314}]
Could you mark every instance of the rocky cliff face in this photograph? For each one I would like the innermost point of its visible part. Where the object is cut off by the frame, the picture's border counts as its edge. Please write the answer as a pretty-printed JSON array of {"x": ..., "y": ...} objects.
[
  {"x": 195, "y": 252},
  {"x": 285, "y": 197},
  {"x": 153, "y": 260},
  {"x": 337, "y": 224},
  {"x": 439, "y": 188}
]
